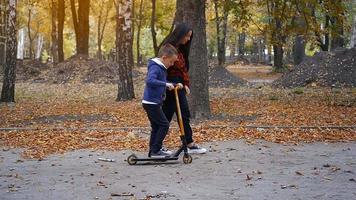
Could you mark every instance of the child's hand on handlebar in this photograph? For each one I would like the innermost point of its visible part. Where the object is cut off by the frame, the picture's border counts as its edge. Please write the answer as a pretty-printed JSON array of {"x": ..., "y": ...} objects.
[{"x": 170, "y": 86}]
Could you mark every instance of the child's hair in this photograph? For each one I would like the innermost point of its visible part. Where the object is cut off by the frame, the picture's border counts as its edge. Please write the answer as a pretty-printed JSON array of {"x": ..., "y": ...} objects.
[{"x": 167, "y": 50}]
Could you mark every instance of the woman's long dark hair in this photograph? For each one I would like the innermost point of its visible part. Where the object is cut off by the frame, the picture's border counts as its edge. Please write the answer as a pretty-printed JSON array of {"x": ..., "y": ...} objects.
[{"x": 176, "y": 36}]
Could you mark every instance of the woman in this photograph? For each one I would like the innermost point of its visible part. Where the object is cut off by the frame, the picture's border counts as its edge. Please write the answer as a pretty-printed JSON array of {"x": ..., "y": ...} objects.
[{"x": 178, "y": 73}]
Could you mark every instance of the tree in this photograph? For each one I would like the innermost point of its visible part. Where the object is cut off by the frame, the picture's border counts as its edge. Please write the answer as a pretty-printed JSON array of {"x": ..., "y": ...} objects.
[
  {"x": 54, "y": 47},
  {"x": 242, "y": 40},
  {"x": 81, "y": 25},
  {"x": 299, "y": 43},
  {"x": 221, "y": 29},
  {"x": 276, "y": 10},
  {"x": 192, "y": 12},
  {"x": 353, "y": 36},
  {"x": 153, "y": 31},
  {"x": 102, "y": 21},
  {"x": 8, "y": 88},
  {"x": 139, "y": 26},
  {"x": 123, "y": 52},
  {"x": 60, "y": 18},
  {"x": 30, "y": 8},
  {"x": 337, "y": 22}
]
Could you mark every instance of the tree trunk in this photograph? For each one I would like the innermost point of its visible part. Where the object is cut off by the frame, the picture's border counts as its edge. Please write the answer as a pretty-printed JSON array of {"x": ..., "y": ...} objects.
[
  {"x": 325, "y": 44},
  {"x": 39, "y": 47},
  {"x": 353, "y": 36},
  {"x": 298, "y": 49},
  {"x": 54, "y": 47},
  {"x": 139, "y": 26},
  {"x": 337, "y": 22},
  {"x": 193, "y": 14},
  {"x": 123, "y": 53},
  {"x": 81, "y": 25},
  {"x": 75, "y": 18},
  {"x": 254, "y": 50},
  {"x": 278, "y": 38},
  {"x": 223, "y": 39},
  {"x": 99, "y": 54},
  {"x": 261, "y": 50},
  {"x": 278, "y": 57},
  {"x": 29, "y": 32},
  {"x": 2, "y": 34},
  {"x": 299, "y": 44},
  {"x": 221, "y": 29},
  {"x": 269, "y": 52},
  {"x": 153, "y": 31},
  {"x": 233, "y": 47},
  {"x": 8, "y": 87},
  {"x": 102, "y": 25},
  {"x": 83, "y": 29},
  {"x": 60, "y": 18},
  {"x": 337, "y": 33},
  {"x": 242, "y": 40}
]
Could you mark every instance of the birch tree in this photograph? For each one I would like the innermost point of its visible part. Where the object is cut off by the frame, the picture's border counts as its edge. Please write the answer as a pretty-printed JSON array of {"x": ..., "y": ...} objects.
[
  {"x": 8, "y": 87},
  {"x": 124, "y": 50}
]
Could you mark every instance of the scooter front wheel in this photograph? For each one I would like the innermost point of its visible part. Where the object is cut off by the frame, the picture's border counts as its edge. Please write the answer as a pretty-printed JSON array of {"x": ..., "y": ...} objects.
[
  {"x": 187, "y": 159},
  {"x": 132, "y": 159}
]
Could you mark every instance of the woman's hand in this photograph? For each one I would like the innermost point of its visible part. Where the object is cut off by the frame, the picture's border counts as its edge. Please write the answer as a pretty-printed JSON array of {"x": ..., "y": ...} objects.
[
  {"x": 187, "y": 90},
  {"x": 180, "y": 86}
]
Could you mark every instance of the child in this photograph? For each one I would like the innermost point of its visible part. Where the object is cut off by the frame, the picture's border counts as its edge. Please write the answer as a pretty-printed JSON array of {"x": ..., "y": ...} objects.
[{"x": 153, "y": 96}]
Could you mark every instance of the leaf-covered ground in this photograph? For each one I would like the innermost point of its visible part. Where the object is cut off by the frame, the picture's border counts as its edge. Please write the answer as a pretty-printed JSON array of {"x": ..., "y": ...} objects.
[{"x": 58, "y": 118}]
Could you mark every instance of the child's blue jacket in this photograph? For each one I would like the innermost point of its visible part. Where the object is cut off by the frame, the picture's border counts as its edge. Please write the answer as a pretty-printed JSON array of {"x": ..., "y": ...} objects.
[{"x": 155, "y": 88}]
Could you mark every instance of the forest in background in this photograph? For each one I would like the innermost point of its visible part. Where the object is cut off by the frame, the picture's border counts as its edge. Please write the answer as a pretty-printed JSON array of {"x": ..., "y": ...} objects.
[{"x": 234, "y": 27}]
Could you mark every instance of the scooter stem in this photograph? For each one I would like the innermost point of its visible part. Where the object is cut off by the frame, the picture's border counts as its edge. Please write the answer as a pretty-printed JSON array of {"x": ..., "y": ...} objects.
[{"x": 180, "y": 120}]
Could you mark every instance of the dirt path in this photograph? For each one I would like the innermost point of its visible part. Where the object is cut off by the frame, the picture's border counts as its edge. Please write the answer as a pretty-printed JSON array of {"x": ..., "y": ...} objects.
[
  {"x": 231, "y": 170},
  {"x": 254, "y": 73}
]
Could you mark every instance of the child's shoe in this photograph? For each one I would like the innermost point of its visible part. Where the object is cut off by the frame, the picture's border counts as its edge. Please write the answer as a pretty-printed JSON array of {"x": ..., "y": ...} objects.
[{"x": 159, "y": 154}]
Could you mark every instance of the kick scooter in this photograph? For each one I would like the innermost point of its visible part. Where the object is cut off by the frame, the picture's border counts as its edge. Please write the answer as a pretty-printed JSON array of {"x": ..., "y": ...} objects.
[{"x": 133, "y": 159}]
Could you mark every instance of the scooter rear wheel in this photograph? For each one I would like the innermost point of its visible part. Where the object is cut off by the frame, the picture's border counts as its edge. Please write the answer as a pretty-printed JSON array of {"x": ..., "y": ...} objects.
[
  {"x": 187, "y": 159},
  {"x": 132, "y": 159}
]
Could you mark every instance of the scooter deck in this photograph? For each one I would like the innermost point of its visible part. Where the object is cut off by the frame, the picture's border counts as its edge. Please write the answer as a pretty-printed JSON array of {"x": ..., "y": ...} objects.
[{"x": 156, "y": 159}]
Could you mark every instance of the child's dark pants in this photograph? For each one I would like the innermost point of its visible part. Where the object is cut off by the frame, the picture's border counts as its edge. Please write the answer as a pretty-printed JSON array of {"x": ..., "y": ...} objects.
[{"x": 159, "y": 125}]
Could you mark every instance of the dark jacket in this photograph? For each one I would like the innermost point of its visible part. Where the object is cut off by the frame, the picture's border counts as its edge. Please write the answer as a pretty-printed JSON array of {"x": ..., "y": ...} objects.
[{"x": 155, "y": 88}]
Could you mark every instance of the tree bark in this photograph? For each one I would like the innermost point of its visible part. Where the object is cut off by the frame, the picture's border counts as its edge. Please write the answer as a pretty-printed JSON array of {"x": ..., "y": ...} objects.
[
  {"x": 54, "y": 47},
  {"x": 2, "y": 33},
  {"x": 221, "y": 30},
  {"x": 138, "y": 36},
  {"x": 60, "y": 18},
  {"x": 123, "y": 52},
  {"x": 299, "y": 43},
  {"x": 153, "y": 31},
  {"x": 192, "y": 12},
  {"x": 233, "y": 46},
  {"x": 337, "y": 22},
  {"x": 261, "y": 50},
  {"x": 353, "y": 36},
  {"x": 99, "y": 29},
  {"x": 81, "y": 25},
  {"x": 278, "y": 46},
  {"x": 8, "y": 87},
  {"x": 242, "y": 40},
  {"x": 102, "y": 21},
  {"x": 298, "y": 49},
  {"x": 275, "y": 10},
  {"x": 29, "y": 31}
]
